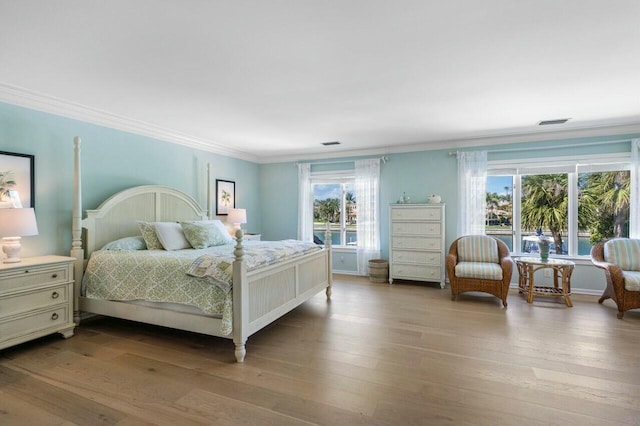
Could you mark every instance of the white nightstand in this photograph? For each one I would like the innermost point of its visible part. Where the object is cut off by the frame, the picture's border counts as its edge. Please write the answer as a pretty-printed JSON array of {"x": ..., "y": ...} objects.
[
  {"x": 36, "y": 299},
  {"x": 252, "y": 237}
]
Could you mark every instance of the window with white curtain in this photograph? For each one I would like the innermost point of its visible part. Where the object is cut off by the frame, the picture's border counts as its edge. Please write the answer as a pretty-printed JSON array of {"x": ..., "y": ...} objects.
[
  {"x": 577, "y": 201},
  {"x": 334, "y": 203}
]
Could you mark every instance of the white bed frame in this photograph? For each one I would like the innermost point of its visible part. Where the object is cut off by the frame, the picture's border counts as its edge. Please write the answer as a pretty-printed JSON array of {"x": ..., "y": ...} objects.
[{"x": 259, "y": 297}]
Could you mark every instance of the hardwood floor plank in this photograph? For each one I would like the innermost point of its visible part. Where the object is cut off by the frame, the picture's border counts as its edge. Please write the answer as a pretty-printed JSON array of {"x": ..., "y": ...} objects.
[{"x": 376, "y": 354}]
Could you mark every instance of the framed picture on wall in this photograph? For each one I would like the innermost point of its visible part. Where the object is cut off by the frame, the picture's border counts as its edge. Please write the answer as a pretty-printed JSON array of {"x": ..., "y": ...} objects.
[
  {"x": 16, "y": 180},
  {"x": 225, "y": 196}
]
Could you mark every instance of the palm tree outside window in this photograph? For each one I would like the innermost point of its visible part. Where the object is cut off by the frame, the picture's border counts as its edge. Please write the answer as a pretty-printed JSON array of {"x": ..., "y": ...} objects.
[{"x": 578, "y": 206}]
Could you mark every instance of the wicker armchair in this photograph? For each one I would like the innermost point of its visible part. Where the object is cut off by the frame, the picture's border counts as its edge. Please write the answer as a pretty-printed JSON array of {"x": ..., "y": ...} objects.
[
  {"x": 479, "y": 263},
  {"x": 620, "y": 259}
]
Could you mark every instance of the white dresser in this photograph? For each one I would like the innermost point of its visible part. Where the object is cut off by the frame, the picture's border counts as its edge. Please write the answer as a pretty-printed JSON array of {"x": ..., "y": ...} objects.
[
  {"x": 36, "y": 299},
  {"x": 416, "y": 249}
]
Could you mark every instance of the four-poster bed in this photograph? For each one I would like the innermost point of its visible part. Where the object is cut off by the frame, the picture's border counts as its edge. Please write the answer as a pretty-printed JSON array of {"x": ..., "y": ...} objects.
[{"x": 257, "y": 296}]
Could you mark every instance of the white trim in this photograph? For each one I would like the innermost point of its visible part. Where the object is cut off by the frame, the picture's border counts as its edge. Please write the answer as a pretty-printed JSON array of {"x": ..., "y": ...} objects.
[
  {"x": 65, "y": 108},
  {"x": 42, "y": 102},
  {"x": 620, "y": 128},
  {"x": 562, "y": 161}
]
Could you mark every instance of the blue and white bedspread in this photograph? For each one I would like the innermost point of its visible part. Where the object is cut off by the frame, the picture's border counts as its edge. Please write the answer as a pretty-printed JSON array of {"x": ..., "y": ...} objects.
[
  {"x": 200, "y": 278},
  {"x": 218, "y": 269}
]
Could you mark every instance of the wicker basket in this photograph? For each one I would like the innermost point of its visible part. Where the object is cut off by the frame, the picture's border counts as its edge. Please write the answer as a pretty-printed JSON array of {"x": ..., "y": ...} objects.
[{"x": 378, "y": 271}]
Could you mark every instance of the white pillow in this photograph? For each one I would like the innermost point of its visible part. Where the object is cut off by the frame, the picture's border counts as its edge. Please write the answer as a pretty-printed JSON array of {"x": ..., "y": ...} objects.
[{"x": 171, "y": 235}]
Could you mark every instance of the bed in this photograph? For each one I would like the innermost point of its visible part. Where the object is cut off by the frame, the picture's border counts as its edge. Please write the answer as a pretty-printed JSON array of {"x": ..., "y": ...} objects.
[{"x": 258, "y": 294}]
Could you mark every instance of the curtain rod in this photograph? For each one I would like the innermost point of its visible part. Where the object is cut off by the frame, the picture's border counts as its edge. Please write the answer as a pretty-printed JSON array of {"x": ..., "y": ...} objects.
[
  {"x": 384, "y": 159},
  {"x": 452, "y": 153}
]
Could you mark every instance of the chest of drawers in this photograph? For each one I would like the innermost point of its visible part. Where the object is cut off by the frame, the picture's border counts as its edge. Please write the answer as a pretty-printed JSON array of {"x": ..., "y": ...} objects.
[
  {"x": 36, "y": 299},
  {"x": 416, "y": 248}
]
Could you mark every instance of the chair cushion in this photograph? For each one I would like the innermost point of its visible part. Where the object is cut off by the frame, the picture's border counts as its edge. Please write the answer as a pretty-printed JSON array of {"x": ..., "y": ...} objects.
[
  {"x": 631, "y": 280},
  {"x": 479, "y": 270},
  {"x": 623, "y": 252},
  {"x": 478, "y": 248}
]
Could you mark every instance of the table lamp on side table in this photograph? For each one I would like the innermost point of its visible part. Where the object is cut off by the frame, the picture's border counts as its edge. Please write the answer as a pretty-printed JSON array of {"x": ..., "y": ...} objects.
[
  {"x": 16, "y": 223},
  {"x": 237, "y": 217}
]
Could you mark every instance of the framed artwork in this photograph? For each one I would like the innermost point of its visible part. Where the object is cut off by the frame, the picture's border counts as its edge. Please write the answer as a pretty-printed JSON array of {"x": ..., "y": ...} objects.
[
  {"x": 16, "y": 180},
  {"x": 225, "y": 196}
]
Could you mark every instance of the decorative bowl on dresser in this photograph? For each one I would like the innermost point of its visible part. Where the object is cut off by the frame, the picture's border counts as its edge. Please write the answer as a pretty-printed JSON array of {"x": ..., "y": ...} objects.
[
  {"x": 36, "y": 299},
  {"x": 417, "y": 242}
]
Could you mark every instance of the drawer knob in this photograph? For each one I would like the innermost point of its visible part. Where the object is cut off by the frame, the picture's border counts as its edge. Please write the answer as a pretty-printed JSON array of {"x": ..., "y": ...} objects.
[
  {"x": 26, "y": 271},
  {"x": 55, "y": 295},
  {"x": 54, "y": 316},
  {"x": 54, "y": 276}
]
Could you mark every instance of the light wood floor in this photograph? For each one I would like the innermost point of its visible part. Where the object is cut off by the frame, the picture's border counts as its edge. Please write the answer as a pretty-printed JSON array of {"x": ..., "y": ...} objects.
[{"x": 376, "y": 354}]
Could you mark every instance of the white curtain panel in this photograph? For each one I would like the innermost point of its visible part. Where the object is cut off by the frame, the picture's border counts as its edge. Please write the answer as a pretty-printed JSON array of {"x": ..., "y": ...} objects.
[
  {"x": 634, "y": 208},
  {"x": 305, "y": 203},
  {"x": 472, "y": 178},
  {"x": 368, "y": 208}
]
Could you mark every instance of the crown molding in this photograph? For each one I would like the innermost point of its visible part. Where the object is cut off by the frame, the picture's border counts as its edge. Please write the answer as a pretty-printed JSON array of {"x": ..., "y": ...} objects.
[
  {"x": 50, "y": 104},
  {"x": 590, "y": 131},
  {"x": 46, "y": 103}
]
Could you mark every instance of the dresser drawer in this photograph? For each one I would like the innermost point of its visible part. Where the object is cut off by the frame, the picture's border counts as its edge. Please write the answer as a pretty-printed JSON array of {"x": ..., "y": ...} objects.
[
  {"x": 29, "y": 277},
  {"x": 420, "y": 243},
  {"x": 426, "y": 258},
  {"x": 413, "y": 228},
  {"x": 28, "y": 301},
  {"x": 415, "y": 213},
  {"x": 50, "y": 319},
  {"x": 420, "y": 272}
]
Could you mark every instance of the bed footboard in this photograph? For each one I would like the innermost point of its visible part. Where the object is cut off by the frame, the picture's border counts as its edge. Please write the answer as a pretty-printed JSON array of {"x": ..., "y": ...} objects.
[{"x": 264, "y": 295}]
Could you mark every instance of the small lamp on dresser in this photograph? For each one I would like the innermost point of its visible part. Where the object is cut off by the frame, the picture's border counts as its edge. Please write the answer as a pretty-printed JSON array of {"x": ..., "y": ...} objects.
[
  {"x": 237, "y": 217},
  {"x": 16, "y": 223}
]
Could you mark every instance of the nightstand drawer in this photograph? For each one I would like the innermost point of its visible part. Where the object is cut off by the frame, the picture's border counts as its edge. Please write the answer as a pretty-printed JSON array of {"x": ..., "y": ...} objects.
[
  {"x": 29, "y": 277},
  {"x": 52, "y": 318},
  {"x": 29, "y": 301}
]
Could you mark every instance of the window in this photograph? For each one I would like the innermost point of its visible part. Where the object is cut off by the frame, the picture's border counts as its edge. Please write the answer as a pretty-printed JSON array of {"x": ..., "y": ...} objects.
[
  {"x": 334, "y": 202},
  {"x": 576, "y": 202}
]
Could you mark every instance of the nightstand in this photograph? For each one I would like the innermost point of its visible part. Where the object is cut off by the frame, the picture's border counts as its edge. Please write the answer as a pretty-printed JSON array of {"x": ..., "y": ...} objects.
[
  {"x": 36, "y": 299},
  {"x": 252, "y": 237}
]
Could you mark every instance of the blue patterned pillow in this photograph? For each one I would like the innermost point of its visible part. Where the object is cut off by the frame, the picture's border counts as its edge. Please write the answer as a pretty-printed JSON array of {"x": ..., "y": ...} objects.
[{"x": 127, "y": 243}]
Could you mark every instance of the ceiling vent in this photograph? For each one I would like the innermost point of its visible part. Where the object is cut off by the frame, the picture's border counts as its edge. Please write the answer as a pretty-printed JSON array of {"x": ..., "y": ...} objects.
[
  {"x": 330, "y": 143},
  {"x": 556, "y": 121}
]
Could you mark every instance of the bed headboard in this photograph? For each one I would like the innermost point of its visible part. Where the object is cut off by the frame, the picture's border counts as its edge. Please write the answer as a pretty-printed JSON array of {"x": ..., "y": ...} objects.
[{"x": 117, "y": 216}]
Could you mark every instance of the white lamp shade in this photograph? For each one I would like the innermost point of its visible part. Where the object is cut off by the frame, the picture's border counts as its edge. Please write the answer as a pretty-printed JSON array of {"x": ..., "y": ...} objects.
[
  {"x": 237, "y": 216},
  {"x": 18, "y": 222}
]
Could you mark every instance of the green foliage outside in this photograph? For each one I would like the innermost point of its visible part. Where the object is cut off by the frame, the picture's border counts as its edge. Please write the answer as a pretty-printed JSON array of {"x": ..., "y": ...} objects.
[{"x": 603, "y": 204}]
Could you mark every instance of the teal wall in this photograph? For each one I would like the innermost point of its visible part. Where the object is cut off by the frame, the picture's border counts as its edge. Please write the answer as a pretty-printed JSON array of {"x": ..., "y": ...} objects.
[
  {"x": 419, "y": 174},
  {"x": 112, "y": 160}
]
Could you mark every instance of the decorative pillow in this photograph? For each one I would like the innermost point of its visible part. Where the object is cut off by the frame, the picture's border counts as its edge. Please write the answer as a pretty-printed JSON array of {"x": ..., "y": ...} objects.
[
  {"x": 148, "y": 232},
  {"x": 624, "y": 252},
  {"x": 171, "y": 236},
  {"x": 478, "y": 248},
  {"x": 206, "y": 233},
  {"x": 127, "y": 243}
]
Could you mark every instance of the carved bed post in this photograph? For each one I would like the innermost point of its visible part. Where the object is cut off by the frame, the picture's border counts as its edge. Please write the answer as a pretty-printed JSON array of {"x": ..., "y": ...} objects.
[
  {"x": 327, "y": 246},
  {"x": 240, "y": 299},
  {"x": 76, "y": 230}
]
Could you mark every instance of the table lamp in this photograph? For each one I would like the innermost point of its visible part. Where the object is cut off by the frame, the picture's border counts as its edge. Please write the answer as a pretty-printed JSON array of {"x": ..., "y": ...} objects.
[
  {"x": 237, "y": 217},
  {"x": 16, "y": 223}
]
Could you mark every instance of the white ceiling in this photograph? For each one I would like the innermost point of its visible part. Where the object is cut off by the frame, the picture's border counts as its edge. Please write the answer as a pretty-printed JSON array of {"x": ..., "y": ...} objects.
[{"x": 271, "y": 80}]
